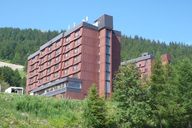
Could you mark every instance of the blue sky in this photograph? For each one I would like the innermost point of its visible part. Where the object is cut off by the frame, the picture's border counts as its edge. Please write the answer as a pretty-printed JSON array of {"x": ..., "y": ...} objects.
[{"x": 164, "y": 20}]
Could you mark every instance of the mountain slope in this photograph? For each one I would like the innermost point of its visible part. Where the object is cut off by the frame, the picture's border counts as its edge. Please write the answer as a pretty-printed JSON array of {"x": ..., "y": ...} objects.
[
  {"x": 17, "y": 44},
  {"x": 133, "y": 47}
]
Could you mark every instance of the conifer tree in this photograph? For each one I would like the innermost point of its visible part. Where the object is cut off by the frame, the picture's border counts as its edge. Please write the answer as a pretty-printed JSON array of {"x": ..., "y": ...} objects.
[
  {"x": 133, "y": 110},
  {"x": 160, "y": 94},
  {"x": 94, "y": 110},
  {"x": 185, "y": 91}
]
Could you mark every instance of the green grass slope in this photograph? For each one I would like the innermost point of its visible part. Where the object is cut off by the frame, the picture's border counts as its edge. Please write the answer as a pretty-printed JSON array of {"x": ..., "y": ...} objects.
[{"x": 21, "y": 111}]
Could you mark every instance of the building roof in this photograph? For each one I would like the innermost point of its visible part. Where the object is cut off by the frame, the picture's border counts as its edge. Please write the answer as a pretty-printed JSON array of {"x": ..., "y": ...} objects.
[{"x": 144, "y": 56}]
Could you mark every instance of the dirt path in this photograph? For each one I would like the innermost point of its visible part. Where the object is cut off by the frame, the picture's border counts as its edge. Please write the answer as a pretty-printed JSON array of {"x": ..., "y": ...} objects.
[{"x": 13, "y": 66}]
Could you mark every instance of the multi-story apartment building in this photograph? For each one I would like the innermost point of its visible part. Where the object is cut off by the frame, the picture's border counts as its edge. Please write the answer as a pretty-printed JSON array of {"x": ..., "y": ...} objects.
[
  {"x": 67, "y": 65},
  {"x": 144, "y": 63}
]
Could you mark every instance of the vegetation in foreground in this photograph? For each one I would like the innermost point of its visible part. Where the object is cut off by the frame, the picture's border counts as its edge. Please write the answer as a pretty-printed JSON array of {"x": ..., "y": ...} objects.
[
  {"x": 163, "y": 102},
  {"x": 23, "y": 111}
]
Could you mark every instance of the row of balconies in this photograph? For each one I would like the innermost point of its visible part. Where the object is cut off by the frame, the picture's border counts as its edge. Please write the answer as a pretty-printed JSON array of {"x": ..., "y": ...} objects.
[
  {"x": 68, "y": 53},
  {"x": 49, "y": 78},
  {"x": 51, "y": 48},
  {"x": 73, "y": 41},
  {"x": 73, "y": 36},
  {"x": 67, "y": 40},
  {"x": 51, "y": 64},
  {"x": 34, "y": 65},
  {"x": 58, "y": 67},
  {"x": 70, "y": 71}
]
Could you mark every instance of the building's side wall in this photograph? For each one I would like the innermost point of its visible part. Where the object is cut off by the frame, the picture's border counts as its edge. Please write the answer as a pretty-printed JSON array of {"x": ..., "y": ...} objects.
[
  {"x": 89, "y": 60},
  {"x": 115, "y": 55},
  {"x": 102, "y": 62},
  {"x": 145, "y": 67},
  {"x": 32, "y": 73}
]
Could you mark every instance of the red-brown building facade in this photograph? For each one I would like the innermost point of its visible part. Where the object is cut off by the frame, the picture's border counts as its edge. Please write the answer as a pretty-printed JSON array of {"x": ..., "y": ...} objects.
[
  {"x": 67, "y": 65},
  {"x": 144, "y": 63}
]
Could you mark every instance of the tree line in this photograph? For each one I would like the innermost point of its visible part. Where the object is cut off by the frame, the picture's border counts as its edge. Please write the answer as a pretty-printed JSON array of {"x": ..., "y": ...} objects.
[
  {"x": 10, "y": 77},
  {"x": 132, "y": 47},
  {"x": 17, "y": 44},
  {"x": 162, "y": 102}
]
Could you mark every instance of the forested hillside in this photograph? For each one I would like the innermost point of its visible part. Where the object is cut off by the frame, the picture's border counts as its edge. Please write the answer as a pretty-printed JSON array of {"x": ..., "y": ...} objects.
[
  {"x": 17, "y": 44},
  {"x": 132, "y": 47}
]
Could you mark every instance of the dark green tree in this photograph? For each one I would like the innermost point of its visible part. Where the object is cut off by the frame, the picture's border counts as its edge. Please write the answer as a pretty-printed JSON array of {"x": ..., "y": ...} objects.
[
  {"x": 130, "y": 96},
  {"x": 163, "y": 95},
  {"x": 94, "y": 110},
  {"x": 184, "y": 72},
  {"x": 157, "y": 95},
  {"x": 10, "y": 76}
]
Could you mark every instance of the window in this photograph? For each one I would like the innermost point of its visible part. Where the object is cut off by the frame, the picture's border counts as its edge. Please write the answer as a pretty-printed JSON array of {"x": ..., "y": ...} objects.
[
  {"x": 49, "y": 56},
  {"x": 75, "y": 68},
  {"x": 77, "y": 34},
  {"x": 57, "y": 42},
  {"x": 76, "y": 59},
  {"x": 49, "y": 49},
  {"x": 41, "y": 81},
  {"x": 76, "y": 50},
  {"x": 32, "y": 67},
  {"x": 107, "y": 50},
  {"x": 48, "y": 63},
  {"x": 66, "y": 55},
  {"x": 75, "y": 75},
  {"x": 108, "y": 58},
  {"x": 108, "y": 34},
  {"x": 67, "y": 47},
  {"x": 108, "y": 41},
  {"x": 57, "y": 52},
  {"x": 65, "y": 71},
  {"x": 107, "y": 67},
  {"x": 48, "y": 70},
  {"x": 41, "y": 74},
  {"x": 68, "y": 39},
  {"x": 77, "y": 42},
  {"x": 108, "y": 88},
  {"x": 108, "y": 76},
  {"x": 57, "y": 59},
  {"x": 56, "y": 74},
  {"x": 56, "y": 66},
  {"x": 66, "y": 63},
  {"x": 30, "y": 80},
  {"x": 48, "y": 78}
]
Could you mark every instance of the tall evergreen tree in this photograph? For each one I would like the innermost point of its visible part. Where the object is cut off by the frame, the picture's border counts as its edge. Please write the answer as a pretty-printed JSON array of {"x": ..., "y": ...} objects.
[
  {"x": 94, "y": 110},
  {"x": 185, "y": 91},
  {"x": 132, "y": 106},
  {"x": 157, "y": 95},
  {"x": 163, "y": 95}
]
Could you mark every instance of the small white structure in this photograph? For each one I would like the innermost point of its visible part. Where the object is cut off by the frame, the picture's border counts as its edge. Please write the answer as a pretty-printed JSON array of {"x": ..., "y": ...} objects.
[{"x": 18, "y": 90}]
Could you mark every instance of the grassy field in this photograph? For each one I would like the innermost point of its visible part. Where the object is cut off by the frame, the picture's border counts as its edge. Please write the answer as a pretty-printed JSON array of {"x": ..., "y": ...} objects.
[{"x": 21, "y": 111}]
